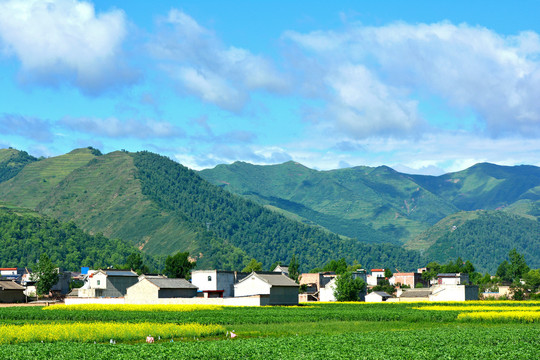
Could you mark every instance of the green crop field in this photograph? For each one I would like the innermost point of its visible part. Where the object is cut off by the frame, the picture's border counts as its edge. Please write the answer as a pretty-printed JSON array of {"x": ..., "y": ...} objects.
[{"x": 314, "y": 331}]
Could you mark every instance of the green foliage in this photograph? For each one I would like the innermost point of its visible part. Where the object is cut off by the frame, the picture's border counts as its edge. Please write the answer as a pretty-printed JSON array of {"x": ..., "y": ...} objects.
[
  {"x": 513, "y": 270},
  {"x": 532, "y": 280},
  {"x": 179, "y": 265},
  {"x": 348, "y": 288},
  {"x": 46, "y": 274},
  {"x": 24, "y": 236},
  {"x": 253, "y": 265},
  {"x": 293, "y": 269},
  {"x": 487, "y": 239},
  {"x": 135, "y": 262}
]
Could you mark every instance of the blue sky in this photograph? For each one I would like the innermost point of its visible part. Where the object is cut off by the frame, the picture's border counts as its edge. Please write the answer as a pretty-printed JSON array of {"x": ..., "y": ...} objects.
[{"x": 423, "y": 86}]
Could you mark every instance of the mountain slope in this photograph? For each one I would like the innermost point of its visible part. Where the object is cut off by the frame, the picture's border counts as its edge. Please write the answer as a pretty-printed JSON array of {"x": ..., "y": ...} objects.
[
  {"x": 372, "y": 204},
  {"x": 34, "y": 182},
  {"x": 485, "y": 237},
  {"x": 485, "y": 186},
  {"x": 261, "y": 233},
  {"x": 12, "y": 161}
]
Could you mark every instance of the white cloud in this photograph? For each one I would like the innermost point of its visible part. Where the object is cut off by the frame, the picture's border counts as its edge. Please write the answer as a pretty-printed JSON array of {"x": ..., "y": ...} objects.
[
  {"x": 26, "y": 127},
  {"x": 65, "y": 41},
  {"x": 495, "y": 76},
  {"x": 115, "y": 128},
  {"x": 205, "y": 67}
]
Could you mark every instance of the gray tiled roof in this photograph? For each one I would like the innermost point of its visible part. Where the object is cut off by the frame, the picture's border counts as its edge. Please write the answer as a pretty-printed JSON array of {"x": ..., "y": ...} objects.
[
  {"x": 172, "y": 283},
  {"x": 120, "y": 273},
  {"x": 275, "y": 279},
  {"x": 10, "y": 285},
  {"x": 415, "y": 293},
  {"x": 382, "y": 293}
]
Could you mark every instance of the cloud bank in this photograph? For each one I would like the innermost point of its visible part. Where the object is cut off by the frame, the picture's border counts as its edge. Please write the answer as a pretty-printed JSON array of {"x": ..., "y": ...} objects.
[{"x": 65, "y": 41}]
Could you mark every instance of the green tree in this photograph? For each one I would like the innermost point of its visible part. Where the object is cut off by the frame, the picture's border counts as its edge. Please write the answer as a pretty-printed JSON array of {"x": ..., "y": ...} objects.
[
  {"x": 532, "y": 280},
  {"x": 504, "y": 271},
  {"x": 518, "y": 266},
  {"x": 253, "y": 265},
  {"x": 293, "y": 269},
  {"x": 179, "y": 265},
  {"x": 388, "y": 273},
  {"x": 46, "y": 275},
  {"x": 135, "y": 262},
  {"x": 348, "y": 288}
]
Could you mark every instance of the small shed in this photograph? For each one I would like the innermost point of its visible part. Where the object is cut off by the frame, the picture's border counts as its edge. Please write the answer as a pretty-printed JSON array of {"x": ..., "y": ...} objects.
[
  {"x": 282, "y": 289},
  {"x": 377, "y": 296},
  {"x": 11, "y": 292},
  {"x": 153, "y": 289}
]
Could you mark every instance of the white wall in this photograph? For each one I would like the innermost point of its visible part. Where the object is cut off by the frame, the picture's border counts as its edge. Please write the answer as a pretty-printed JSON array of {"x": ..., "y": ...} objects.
[
  {"x": 251, "y": 286},
  {"x": 327, "y": 293}
]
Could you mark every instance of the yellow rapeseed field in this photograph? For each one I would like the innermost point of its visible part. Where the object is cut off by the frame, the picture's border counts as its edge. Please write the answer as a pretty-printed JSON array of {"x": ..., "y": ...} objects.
[
  {"x": 102, "y": 331},
  {"x": 473, "y": 308},
  {"x": 520, "y": 315},
  {"x": 126, "y": 307}
]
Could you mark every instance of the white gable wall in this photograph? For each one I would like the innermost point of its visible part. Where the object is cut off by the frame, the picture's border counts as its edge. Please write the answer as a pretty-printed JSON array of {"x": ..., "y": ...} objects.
[{"x": 252, "y": 285}]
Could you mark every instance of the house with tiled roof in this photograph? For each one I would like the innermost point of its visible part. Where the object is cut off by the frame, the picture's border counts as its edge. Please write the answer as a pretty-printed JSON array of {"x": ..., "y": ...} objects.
[{"x": 280, "y": 289}]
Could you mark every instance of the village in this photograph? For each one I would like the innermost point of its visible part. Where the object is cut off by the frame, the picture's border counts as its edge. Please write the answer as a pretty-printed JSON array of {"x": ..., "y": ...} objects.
[{"x": 258, "y": 288}]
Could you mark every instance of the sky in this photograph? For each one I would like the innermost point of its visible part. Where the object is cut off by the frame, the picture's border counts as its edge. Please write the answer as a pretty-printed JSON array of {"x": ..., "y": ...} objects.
[{"x": 425, "y": 87}]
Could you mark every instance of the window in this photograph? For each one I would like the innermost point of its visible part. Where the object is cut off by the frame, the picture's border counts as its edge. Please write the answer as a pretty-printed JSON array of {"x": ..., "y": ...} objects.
[
  {"x": 98, "y": 282},
  {"x": 209, "y": 278}
]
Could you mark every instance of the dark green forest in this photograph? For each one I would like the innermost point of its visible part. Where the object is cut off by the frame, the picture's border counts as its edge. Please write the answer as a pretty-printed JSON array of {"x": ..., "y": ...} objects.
[
  {"x": 24, "y": 236},
  {"x": 488, "y": 239},
  {"x": 261, "y": 233}
]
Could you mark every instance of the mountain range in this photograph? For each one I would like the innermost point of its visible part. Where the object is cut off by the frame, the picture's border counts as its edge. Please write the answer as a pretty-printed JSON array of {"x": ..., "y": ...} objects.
[{"x": 229, "y": 214}]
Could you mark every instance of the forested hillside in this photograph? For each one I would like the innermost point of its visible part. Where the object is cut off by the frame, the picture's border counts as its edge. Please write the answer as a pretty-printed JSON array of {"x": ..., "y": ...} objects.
[
  {"x": 25, "y": 235},
  {"x": 263, "y": 234},
  {"x": 486, "y": 239}
]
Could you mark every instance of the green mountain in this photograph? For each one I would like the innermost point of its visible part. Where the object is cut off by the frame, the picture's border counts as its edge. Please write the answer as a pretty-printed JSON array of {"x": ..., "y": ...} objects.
[
  {"x": 485, "y": 236},
  {"x": 376, "y": 205},
  {"x": 25, "y": 235},
  {"x": 162, "y": 207},
  {"x": 485, "y": 186}
]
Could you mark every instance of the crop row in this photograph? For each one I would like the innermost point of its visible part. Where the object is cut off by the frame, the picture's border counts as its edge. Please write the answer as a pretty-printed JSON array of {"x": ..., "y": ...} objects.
[
  {"x": 130, "y": 307},
  {"x": 102, "y": 331},
  {"x": 515, "y": 341},
  {"x": 502, "y": 316}
]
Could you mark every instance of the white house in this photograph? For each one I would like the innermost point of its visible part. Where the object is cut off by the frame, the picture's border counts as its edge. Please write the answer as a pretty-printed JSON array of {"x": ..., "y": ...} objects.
[
  {"x": 282, "y": 269},
  {"x": 377, "y": 296},
  {"x": 326, "y": 293},
  {"x": 281, "y": 289},
  {"x": 453, "y": 293},
  {"x": 377, "y": 275},
  {"x": 453, "y": 279},
  {"x": 152, "y": 290},
  {"x": 216, "y": 283},
  {"x": 108, "y": 283}
]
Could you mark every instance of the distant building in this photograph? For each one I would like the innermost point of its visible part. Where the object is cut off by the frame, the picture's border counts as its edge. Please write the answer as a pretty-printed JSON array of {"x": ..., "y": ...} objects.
[
  {"x": 153, "y": 289},
  {"x": 282, "y": 269},
  {"x": 411, "y": 295},
  {"x": 453, "y": 279},
  {"x": 377, "y": 296},
  {"x": 411, "y": 279},
  {"x": 315, "y": 282},
  {"x": 11, "y": 292},
  {"x": 108, "y": 283},
  {"x": 281, "y": 289},
  {"x": 376, "y": 277},
  {"x": 216, "y": 283},
  {"x": 14, "y": 274}
]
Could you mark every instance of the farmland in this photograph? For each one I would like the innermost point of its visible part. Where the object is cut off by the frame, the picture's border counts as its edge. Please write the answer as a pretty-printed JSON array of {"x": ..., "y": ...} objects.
[{"x": 314, "y": 331}]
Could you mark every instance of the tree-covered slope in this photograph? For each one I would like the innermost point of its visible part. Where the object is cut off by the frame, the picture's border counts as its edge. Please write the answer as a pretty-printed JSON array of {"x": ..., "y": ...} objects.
[
  {"x": 485, "y": 186},
  {"x": 12, "y": 161},
  {"x": 25, "y": 235},
  {"x": 372, "y": 204},
  {"x": 485, "y": 238},
  {"x": 263, "y": 234}
]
